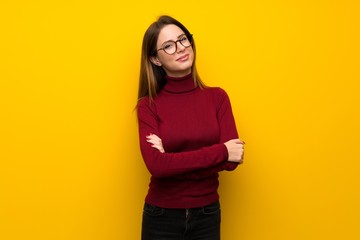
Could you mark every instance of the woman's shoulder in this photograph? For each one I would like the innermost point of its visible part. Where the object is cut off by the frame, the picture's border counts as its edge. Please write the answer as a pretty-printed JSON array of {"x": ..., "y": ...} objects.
[
  {"x": 218, "y": 96},
  {"x": 144, "y": 103},
  {"x": 216, "y": 91},
  {"x": 144, "y": 100}
]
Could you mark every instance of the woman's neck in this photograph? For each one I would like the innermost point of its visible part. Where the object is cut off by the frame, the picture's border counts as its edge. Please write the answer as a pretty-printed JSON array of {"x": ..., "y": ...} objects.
[{"x": 179, "y": 84}]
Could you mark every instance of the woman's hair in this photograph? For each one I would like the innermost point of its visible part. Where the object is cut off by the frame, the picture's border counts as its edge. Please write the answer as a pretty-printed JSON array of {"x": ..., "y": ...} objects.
[{"x": 152, "y": 77}]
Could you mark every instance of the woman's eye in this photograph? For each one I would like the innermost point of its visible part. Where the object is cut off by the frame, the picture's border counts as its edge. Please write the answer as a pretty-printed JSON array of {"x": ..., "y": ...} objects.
[{"x": 167, "y": 46}]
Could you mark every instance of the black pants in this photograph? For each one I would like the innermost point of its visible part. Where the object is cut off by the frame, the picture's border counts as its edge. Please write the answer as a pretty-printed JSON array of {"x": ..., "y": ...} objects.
[{"x": 181, "y": 224}]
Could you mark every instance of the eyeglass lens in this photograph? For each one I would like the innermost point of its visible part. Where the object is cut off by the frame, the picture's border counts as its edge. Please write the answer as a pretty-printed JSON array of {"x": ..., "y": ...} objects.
[{"x": 170, "y": 47}]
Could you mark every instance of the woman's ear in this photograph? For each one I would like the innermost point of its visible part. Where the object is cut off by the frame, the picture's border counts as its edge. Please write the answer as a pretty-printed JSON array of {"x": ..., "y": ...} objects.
[{"x": 155, "y": 61}]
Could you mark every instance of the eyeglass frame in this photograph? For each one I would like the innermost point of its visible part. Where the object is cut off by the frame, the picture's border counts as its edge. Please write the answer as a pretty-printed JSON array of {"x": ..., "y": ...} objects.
[{"x": 175, "y": 42}]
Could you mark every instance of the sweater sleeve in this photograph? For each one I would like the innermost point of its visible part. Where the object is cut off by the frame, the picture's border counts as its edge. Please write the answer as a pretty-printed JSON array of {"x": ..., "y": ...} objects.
[
  {"x": 227, "y": 124},
  {"x": 172, "y": 164},
  {"x": 228, "y": 131}
]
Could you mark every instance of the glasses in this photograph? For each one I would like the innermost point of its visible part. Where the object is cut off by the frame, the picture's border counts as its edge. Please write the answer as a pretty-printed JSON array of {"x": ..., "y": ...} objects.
[{"x": 170, "y": 47}]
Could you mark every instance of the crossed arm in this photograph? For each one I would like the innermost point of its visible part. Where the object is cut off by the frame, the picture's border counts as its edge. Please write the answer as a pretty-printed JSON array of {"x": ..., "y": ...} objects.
[
  {"x": 226, "y": 155},
  {"x": 235, "y": 147}
]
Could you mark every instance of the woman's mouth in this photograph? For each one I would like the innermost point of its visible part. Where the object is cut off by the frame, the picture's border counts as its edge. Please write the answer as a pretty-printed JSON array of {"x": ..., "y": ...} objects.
[{"x": 183, "y": 58}]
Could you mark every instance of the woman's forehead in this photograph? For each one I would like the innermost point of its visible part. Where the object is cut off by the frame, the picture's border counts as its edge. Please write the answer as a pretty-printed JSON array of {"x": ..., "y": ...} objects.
[{"x": 169, "y": 32}]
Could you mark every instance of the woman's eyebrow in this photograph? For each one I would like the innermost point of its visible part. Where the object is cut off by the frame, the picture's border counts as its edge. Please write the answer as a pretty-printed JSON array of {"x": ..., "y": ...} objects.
[
  {"x": 181, "y": 35},
  {"x": 173, "y": 40}
]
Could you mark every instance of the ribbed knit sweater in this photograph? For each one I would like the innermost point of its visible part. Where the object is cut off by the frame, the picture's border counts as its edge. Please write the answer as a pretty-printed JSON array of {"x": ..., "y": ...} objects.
[{"x": 193, "y": 124}]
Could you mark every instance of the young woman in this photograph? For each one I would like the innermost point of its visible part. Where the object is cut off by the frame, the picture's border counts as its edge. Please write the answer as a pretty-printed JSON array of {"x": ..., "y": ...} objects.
[{"x": 187, "y": 135}]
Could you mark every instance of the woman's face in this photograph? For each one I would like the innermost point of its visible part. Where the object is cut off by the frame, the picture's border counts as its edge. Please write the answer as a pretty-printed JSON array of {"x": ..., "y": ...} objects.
[{"x": 178, "y": 64}]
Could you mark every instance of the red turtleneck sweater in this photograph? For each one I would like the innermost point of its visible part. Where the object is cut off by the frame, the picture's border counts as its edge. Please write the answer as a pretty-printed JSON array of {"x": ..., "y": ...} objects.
[{"x": 193, "y": 124}]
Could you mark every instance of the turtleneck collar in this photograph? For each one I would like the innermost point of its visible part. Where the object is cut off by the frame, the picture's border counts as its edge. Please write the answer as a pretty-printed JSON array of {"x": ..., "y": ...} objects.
[{"x": 179, "y": 84}]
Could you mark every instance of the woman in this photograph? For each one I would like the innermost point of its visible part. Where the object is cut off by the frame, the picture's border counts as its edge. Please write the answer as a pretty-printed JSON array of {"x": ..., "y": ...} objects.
[{"x": 187, "y": 135}]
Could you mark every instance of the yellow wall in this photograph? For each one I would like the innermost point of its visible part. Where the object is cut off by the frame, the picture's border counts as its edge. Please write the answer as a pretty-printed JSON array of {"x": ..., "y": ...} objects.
[{"x": 70, "y": 165}]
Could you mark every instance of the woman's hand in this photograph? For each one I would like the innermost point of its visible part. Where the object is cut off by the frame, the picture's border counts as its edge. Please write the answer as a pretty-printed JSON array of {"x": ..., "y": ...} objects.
[
  {"x": 156, "y": 142},
  {"x": 235, "y": 149}
]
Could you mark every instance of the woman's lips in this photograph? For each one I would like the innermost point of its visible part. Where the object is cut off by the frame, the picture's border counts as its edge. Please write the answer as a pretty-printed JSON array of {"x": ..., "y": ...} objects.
[{"x": 183, "y": 58}]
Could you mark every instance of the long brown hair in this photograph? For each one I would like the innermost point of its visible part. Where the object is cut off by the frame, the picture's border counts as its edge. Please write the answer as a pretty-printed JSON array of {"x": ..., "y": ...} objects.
[{"x": 152, "y": 77}]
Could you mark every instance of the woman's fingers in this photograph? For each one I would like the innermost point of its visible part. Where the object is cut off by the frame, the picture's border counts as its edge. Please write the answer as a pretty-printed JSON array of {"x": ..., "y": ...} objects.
[
  {"x": 238, "y": 141},
  {"x": 153, "y": 136},
  {"x": 235, "y": 149},
  {"x": 155, "y": 141}
]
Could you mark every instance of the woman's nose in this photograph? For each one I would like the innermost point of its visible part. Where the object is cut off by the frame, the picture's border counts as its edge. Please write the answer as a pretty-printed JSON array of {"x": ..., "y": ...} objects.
[{"x": 179, "y": 47}]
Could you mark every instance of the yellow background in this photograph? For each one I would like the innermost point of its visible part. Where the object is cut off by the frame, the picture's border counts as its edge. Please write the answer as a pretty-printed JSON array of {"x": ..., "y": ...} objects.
[{"x": 70, "y": 165}]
